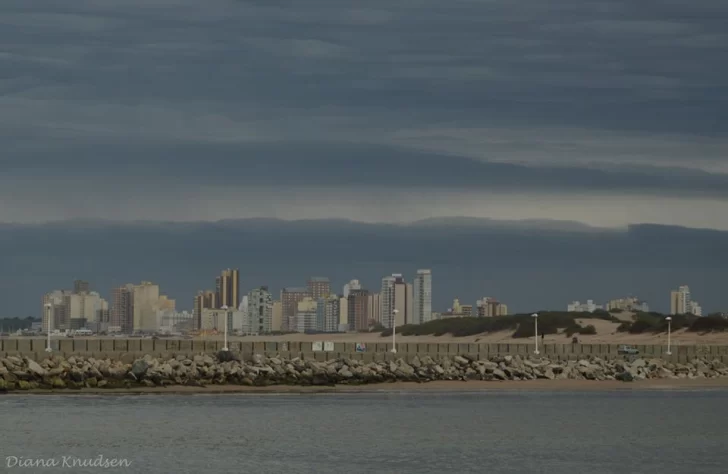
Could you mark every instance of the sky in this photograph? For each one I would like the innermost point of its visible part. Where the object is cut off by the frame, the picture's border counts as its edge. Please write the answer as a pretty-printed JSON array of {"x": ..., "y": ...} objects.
[{"x": 607, "y": 114}]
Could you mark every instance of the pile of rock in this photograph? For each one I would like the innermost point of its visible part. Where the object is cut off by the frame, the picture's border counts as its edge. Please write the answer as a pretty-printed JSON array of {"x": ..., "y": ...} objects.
[{"x": 257, "y": 370}]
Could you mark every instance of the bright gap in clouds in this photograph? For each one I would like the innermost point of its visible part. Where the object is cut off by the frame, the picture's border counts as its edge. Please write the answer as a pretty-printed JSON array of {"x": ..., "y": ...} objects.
[{"x": 27, "y": 203}]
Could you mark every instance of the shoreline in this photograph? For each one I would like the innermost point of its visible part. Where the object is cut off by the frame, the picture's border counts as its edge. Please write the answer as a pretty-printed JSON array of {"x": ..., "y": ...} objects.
[{"x": 393, "y": 387}]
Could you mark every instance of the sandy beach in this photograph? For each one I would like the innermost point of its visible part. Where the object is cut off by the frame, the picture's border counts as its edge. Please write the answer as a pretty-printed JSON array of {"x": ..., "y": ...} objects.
[{"x": 443, "y": 386}]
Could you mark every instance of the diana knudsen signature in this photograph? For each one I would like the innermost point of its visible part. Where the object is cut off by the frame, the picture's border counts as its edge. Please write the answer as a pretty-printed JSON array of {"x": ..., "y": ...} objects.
[{"x": 100, "y": 461}]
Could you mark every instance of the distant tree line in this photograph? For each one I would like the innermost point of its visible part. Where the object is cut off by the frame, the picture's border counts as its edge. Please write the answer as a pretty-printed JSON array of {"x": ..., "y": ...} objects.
[
  {"x": 13, "y": 324},
  {"x": 656, "y": 323}
]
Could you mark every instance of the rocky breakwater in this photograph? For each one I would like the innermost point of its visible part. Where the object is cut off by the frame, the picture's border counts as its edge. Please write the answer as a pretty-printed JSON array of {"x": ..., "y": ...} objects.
[{"x": 19, "y": 374}]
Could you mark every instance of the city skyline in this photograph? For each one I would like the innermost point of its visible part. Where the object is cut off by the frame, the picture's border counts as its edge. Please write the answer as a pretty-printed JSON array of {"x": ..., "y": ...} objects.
[
  {"x": 312, "y": 308},
  {"x": 538, "y": 266}
]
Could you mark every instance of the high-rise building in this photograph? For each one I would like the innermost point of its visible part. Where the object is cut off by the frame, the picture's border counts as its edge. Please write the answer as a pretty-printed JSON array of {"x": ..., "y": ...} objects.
[
  {"x": 386, "y": 298},
  {"x": 306, "y": 313},
  {"x": 77, "y": 309},
  {"x": 374, "y": 306},
  {"x": 680, "y": 300},
  {"x": 260, "y": 310},
  {"x": 277, "y": 316},
  {"x": 403, "y": 300},
  {"x": 244, "y": 309},
  {"x": 121, "y": 312},
  {"x": 328, "y": 312},
  {"x": 358, "y": 310},
  {"x": 490, "y": 307},
  {"x": 319, "y": 287},
  {"x": 290, "y": 297},
  {"x": 227, "y": 288},
  {"x": 147, "y": 302},
  {"x": 352, "y": 285},
  {"x": 203, "y": 300},
  {"x": 422, "y": 297},
  {"x": 343, "y": 314},
  {"x": 58, "y": 311}
]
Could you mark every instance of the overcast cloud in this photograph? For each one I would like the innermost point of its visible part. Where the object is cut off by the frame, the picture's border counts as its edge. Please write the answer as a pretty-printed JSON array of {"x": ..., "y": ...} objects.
[{"x": 607, "y": 113}]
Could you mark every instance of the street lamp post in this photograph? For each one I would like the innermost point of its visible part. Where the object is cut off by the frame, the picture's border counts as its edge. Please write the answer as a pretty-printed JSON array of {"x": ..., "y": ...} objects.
[
  {"x": 669, "y": 331},
  {"x": 48, "y": 307},
  {"x": 394, "y": 330},
  {"x": 535, "y": 332},
  {"x": 225, "y": 308}
]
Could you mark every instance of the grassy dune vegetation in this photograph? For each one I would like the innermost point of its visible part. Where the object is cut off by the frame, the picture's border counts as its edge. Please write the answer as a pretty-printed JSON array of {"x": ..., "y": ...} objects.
[
  {"x": 656, "y": 323},
  {"x": 556, "y": 322}
]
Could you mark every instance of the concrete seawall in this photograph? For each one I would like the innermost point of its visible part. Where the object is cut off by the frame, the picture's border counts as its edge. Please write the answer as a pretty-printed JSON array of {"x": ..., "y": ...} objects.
[{"x": 113, "y": 348}]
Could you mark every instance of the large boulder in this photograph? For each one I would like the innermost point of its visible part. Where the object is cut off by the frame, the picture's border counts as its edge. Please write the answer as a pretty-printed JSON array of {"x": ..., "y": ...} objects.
[
  {"x": 226, "y": 356},
  {"x": 35, "y": 368},
  {"x": 624, "y": 377},
  {"x": 139, "y": 368}
]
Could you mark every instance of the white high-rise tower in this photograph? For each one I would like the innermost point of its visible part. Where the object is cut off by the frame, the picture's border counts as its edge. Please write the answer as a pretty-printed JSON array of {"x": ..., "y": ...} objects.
[{"x": 422, "y": 297}]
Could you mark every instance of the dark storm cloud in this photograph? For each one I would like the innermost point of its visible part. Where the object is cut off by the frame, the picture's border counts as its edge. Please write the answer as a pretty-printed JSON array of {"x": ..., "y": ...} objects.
[
  {"x": 529, "y": 266},
  {"x": 382, "y": 93},
  {"x": 311, "y": 165}
]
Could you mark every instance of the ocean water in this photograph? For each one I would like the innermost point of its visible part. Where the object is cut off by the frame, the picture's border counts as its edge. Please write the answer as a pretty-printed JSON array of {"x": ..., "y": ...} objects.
[{"x": 633, "y": 432}]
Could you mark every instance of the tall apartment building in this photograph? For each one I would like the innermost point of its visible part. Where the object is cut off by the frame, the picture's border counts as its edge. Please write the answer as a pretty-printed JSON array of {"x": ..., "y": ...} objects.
[
  {"x": 203, "y": 300},
  {"x": 352, "y": 285},
  {"x": 395, "y": 294},
  {"x": 386, "y": 298},
  {"x": 328, "y": 312},
  {"x": 260, "y": 310},
  {"x": 680, "y": 300},
  {"x": 147, "y": 302},
  {"x": 422, "y": 297},
  {"x": 57, "y": 314},
  {"x": 75, "y": 309},
  {"x": 318, "y": 287},
  {"x": 374, "y": 307},
  {"x": 490, "y": 307},
  {"x": 227, "y": 288},
  {"x": 344, "y": 314},
  {"x": 358, "y": 310},
  {"x": 403, "y": 293},
  {"x": 121, "y": 312},
  {"x": 306, "y": 312},
  {"x": 290, "y": 297},
  {"x": 277, "y": 316}
]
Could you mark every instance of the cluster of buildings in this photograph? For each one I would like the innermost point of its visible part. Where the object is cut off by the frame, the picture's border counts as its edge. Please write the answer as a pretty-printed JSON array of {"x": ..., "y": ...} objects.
[
  {"x": 75, "y": 309},
  {"x": 142, "y": 308},
  {"x": 132, "y": 308},
  {"x": 620, "y": 304},
  {"x": 680, "y": 303}
]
